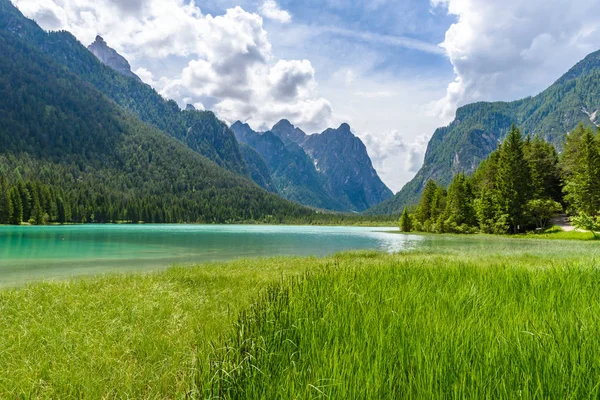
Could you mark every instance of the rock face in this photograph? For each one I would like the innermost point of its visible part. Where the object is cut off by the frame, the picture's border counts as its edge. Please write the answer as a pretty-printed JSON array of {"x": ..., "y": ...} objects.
[
  {"x": 333, "y": 167},
  {"x": 292, "y": 171},
  {"x": 342, "y": 159},
  {"x": 111, "y": 58},
  {"x": 480, "y": 127}
]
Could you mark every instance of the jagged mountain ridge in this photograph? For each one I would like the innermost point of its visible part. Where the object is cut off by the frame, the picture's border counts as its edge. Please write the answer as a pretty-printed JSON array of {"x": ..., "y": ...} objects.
[
  {"x": 336, "y": 162},
  {"x": 199, "y": 130},
  {"x": 58, "y": 130},
  {"x": 292, "y": 171},
  {"x": 111, "y": 58},
  {"x": 478, "y": 128}
]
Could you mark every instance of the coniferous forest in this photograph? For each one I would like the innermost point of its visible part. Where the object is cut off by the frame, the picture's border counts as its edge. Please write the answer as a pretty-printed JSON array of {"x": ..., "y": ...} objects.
[{"x": 518, "y": 188}]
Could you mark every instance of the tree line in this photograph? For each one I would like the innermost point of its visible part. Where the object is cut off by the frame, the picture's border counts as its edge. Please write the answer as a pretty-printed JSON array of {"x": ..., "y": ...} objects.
[{"x": 518, "y": 188}]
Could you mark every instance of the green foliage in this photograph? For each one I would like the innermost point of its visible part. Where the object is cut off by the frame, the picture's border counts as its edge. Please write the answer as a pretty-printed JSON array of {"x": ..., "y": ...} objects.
[
  {"x": 406, "y": 221},
  {"x": 515, "y": 189},
  {"x": 581, "y": 165},
  {"x": 423, "y": 327},
  {"x": 65, "y": 147},
  {"x": 513, "y": 181},
  {"x": 459, "y": 212},
  {"x": 587, "y": 223},
  {"x": 542, "y": 210},
  {"x": 477, "y": 129},
  {"x": 375, "y": 318}
]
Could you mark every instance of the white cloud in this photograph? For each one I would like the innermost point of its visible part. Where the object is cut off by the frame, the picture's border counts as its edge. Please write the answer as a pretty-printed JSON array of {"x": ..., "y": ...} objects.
[
  {"x": 390, "y": 40},
  {"x": 270, "y": 9},
  {"x": 510, "y": 49},
  {"x": 229, "y": 66}
]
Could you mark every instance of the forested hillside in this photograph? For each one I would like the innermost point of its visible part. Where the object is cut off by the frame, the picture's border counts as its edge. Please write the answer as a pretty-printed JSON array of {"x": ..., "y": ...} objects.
[
  {"x": 478, "y": 128},
  {"x": 201, "y": 131},
  {"x": 519, "y": 187},
  {"x": 68, "y": 153}
]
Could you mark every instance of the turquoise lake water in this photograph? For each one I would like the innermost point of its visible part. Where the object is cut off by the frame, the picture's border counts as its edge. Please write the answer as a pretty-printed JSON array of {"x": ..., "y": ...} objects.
[
  {"x": 58, "y": 252},
  {"x": 49, "y": 252}
]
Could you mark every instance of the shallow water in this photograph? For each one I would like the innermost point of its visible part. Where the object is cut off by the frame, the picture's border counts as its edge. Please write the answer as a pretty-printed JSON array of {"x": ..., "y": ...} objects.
[
  {"x": 34, "y": 253},
  {"x": 57, "y": 252}
]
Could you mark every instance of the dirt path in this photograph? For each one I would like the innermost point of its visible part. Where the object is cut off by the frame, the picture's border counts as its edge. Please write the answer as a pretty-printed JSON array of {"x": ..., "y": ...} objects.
[{"x": 563, "y": 222}]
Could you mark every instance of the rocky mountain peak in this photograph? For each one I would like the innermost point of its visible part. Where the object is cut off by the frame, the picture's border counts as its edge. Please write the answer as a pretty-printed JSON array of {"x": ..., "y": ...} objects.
[
  {"x": 111, "y": 58},
  {"x": 345, "y": 128},
  {"x": 288, "y": 132},
  {"x": 190, "y": 107}
]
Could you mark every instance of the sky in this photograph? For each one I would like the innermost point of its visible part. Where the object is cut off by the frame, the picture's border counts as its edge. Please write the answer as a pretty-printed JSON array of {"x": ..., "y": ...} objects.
[{"x": 395, "y": 70}]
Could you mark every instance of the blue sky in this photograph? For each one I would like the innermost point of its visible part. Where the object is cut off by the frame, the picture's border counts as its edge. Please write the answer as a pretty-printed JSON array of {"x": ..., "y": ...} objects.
[{"x": 395, "y": 70}]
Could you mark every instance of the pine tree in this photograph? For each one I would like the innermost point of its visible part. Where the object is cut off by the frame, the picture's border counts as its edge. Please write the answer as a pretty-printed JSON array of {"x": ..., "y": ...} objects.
[
  {"x": 512, "y": 182},
  {"x": 486, "y": 211},
  {"x": 542, "y": 159},
  {"x": 6, "y": 207},
  {"x": 424, "y": 211},
  {"x": 17, "y": 214},
  {"x": 459, "y": 210},
  {"x": 405, "y": 221},
  {"x": 581, "y": 163}
]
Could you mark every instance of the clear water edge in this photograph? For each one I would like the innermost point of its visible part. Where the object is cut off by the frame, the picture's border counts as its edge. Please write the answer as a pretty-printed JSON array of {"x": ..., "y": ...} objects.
[{"x": 58, "y": 252}]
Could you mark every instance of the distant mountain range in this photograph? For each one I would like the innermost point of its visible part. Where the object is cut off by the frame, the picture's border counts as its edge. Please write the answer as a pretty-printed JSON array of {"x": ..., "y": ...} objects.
[
  {"x": 331, "y": 170},
  {"x": 305, "y": 169},
  {"x": 478, "y": 128}
]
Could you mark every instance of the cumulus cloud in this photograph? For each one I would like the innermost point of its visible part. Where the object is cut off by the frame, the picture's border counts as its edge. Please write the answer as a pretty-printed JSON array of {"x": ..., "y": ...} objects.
[
  {"x": 511, "y": 49},
  {"x": 270, "y": 9},
  {"x": 229, "y": 66}
]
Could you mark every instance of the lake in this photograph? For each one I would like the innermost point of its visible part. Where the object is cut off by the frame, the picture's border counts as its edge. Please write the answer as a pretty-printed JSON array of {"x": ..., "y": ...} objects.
[
  {"x": 58, "y": 252},
  {"x": 47, "y": 252}
]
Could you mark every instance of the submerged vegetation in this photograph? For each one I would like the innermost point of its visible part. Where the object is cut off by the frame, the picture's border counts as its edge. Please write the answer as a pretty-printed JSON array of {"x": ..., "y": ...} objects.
[
  {"x": 520, "y": 187},
  {"x": 516, "y": 318}
]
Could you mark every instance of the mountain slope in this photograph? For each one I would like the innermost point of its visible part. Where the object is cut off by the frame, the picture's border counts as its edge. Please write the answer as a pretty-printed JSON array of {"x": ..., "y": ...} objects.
[
  {"x": 201, "y": 131},
  {"x": 342, "y": 159},
  {"x": 343, "y": 163},
  {"x": 259, "y": 171},
  {"x": 57, "y": 130},
  {"x": 111, "y": 58},
  {"x": 479, "y": 127},
  {"x": 292, "y": 171}
]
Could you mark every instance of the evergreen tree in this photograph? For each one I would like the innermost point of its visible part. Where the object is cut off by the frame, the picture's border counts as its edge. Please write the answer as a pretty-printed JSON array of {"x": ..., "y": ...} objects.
[
  {"x": 405, "y": 221},
  {"x": 6, "y": 206},
  {"x": 543, "y": 162},
  {"x": 486, "y": 211},
  {"x": 424, "y": 211},
  {"x": 25, "y": 200},
  {"x": 512, "y": 182},
  {"x": 459, "y": 213},
  {"x": 17, "y": 214},
  {"x": 581, "y": 163}
]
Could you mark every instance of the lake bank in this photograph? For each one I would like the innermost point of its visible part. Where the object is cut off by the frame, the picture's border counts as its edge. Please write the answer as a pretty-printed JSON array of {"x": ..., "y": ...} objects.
[{"x": 158, "y": 334}]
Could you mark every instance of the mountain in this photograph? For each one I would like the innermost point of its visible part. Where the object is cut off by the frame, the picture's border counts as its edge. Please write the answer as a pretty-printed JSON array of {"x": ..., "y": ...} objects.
[
  {"x": 201, "y": 131},
  {"x": 292, "y": 171},
  {"x": 63, "y": 141},
  {"x": 259, "y": 171},
  {"x": 288, "y": 132},
  {"x": 110, "y": 57},
  {"x": 331, "y": 169},
  {"x": 342, "y": 160},
  {"x": 479, "y": 127}
]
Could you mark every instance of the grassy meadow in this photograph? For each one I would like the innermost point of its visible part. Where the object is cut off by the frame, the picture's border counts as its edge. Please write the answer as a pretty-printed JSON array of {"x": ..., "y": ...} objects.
[{"x": 506, "y": 318}]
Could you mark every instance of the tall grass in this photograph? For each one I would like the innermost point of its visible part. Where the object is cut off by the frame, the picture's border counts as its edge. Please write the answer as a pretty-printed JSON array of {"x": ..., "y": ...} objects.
[
  {"x": 459, "y": 319},
  {"x": 421, "y": 328},
  {"x": 124, "y": 336}
]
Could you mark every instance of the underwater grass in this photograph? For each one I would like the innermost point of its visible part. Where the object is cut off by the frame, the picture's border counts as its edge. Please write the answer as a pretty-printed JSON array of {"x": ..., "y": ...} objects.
[{"x": 460, "y": 320}]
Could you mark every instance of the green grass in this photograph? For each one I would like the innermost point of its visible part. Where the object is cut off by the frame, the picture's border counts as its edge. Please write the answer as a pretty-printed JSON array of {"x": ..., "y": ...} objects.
[{"x": 520, "y": 320}]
